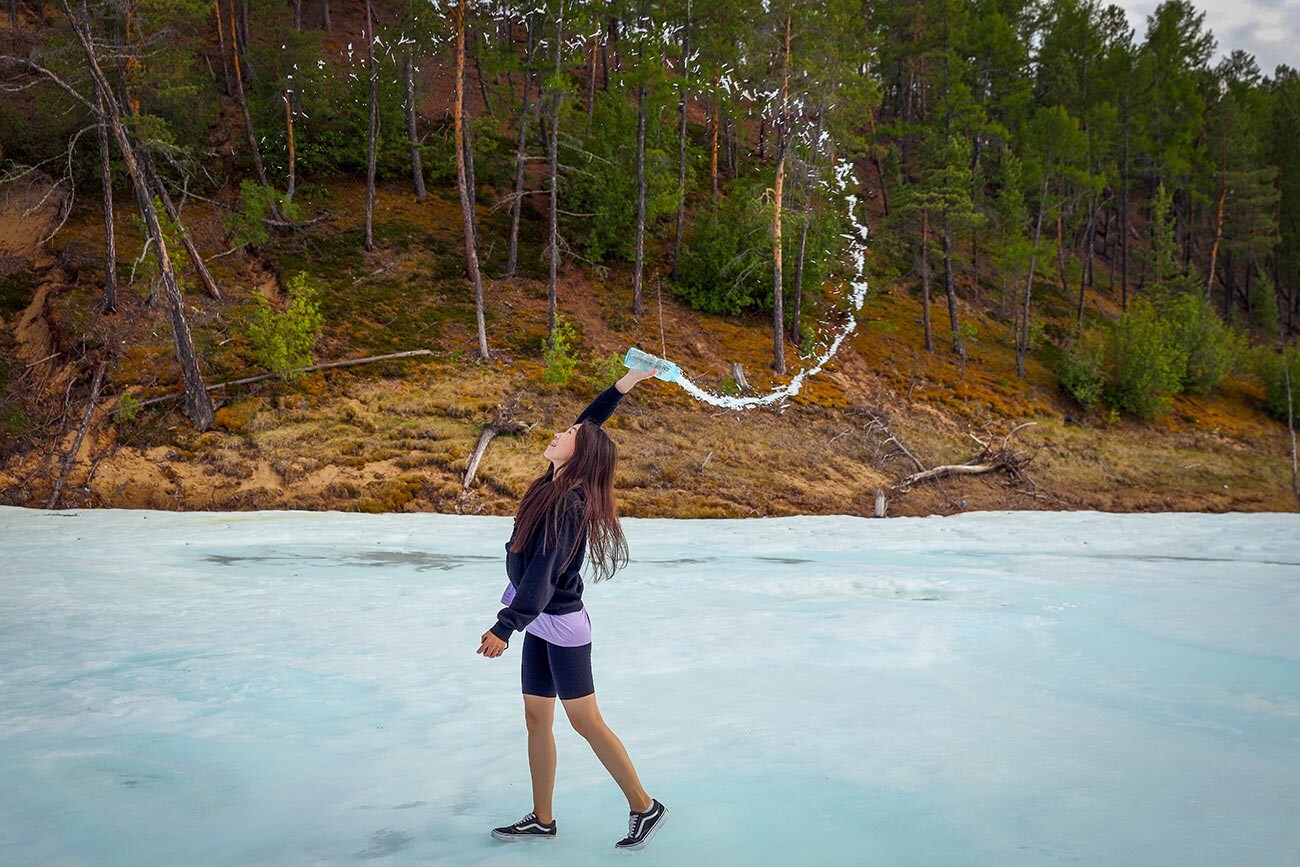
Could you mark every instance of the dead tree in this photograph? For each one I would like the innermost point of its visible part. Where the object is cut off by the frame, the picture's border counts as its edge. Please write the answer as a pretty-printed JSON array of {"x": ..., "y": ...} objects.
[
  {"x": 198, "y": 405},
  {"x": 502, "y": 422},
  {"x": 76, "y": 443}
]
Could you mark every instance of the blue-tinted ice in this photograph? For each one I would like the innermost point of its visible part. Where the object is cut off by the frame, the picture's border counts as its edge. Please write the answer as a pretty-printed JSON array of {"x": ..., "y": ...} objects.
[{"x": 292, "y": 688}]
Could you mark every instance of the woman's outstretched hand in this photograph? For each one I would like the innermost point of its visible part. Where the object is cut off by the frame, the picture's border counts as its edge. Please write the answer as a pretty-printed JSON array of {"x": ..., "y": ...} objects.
[
  {"x": 491, "y": 646},
  {"x": 631, "y": 378}
]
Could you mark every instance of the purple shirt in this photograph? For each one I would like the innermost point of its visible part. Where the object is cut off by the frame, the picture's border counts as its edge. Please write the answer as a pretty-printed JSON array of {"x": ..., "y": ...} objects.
[{"x": 565, "y": 630}]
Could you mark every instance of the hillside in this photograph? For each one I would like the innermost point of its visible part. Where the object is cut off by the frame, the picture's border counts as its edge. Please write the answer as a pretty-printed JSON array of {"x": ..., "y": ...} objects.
[{"x": 396, "y": 436}]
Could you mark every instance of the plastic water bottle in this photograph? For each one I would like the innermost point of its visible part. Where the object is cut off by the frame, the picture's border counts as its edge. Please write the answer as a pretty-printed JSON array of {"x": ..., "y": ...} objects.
[{"x": 664, "y": 369}]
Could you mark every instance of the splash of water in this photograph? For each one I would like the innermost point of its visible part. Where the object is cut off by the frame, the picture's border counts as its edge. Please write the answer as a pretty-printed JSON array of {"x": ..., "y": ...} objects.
[{"x": 856, "y": 251}]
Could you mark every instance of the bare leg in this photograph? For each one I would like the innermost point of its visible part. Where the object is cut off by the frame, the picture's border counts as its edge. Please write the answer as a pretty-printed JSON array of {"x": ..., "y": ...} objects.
[
  {"x": 539, "y": 714},
  {"x": 587, "y": 721}
]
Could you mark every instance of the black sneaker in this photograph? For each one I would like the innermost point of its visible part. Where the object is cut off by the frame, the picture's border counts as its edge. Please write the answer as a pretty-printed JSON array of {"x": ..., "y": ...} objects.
[
  {"x": 642, "y": 826},
  {"x": 527, "y": 828}
]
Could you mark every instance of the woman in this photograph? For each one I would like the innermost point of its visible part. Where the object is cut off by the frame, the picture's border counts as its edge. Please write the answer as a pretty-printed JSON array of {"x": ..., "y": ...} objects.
[{"x": 570, "y": 504}]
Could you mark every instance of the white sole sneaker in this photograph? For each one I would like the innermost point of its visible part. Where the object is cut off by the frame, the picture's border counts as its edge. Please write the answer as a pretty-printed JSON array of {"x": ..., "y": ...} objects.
[
  {"x": 645, "y": 841},
  {"x": 515, "y": 838}
]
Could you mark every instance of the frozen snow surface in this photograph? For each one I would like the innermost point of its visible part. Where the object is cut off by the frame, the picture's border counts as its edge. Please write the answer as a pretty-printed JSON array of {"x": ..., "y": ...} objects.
[{"x": 996, "y": 688}]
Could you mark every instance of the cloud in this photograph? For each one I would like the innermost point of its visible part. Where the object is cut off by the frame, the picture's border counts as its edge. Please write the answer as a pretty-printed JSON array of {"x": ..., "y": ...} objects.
[{"x": 1268, "y": 29}]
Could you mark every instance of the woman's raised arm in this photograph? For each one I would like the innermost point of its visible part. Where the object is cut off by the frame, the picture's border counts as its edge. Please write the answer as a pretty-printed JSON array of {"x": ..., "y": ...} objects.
[{"x": 600, "y": 409}]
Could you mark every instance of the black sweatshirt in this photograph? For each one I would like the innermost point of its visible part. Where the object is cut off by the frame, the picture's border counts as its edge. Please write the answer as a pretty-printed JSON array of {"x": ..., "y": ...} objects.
[{"x": 540, "y": 585}]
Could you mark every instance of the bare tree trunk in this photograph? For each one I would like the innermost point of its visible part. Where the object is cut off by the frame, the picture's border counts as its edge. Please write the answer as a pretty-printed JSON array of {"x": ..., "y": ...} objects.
[
  {"x": 325, "y": 15},
  {"x": 1123, "y": 221},
  {"x": 733, "y": 148},
  {"x": 198, "y": 406},
  {"x": 552, "y": 147},
  {"x": 1091, "y": 235},
  {"x": 482, "y": 84},
  {"x": 713, "y": 154},
  {"x": 373, "y": 129},
  {"x": 243, "y": 103},
  {"x": 76, "y": 443},
  {"x": 925, "y": 282},
  {"x": 951, "y": 290},
  {"x": 173, "y": 214},
  {"x": 1060, "y": 254},
  {"x": 412, "y": 135},
  {"x": 681, "y": 142},
  {"x": 591, "y": 84},
  {"x": 778, "y": 295},
  {"x": 1290, "y": 421},
  {"x": 1218, "y": 236},
  {"x": 245, "y": 31},
  {"x": 297, "y": 16},
  {"x": 466, "y": 194},
  {"x": 110, "y": 242},
  {"x": 517, "y": 206},
  {"x": 470, "y": 180},
  {"x": 604, "y": 61},
  {"x": 221, "y": 41},
  {"x": 809, "y": 179},
  {"x": 1022, "y": 343},
  {"x": 638, "y": 267},
  {"x": 796, "y": 312},
  {"x": 293, "y": 163}
]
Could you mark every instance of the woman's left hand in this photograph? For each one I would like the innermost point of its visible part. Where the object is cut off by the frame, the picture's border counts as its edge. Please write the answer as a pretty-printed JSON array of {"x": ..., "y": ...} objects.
[{"x": 491, "y": 646}]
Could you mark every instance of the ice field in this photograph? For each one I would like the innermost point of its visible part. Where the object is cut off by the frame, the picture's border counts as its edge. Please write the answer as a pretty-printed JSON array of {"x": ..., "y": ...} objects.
[{"x": 1001, "y": 689}]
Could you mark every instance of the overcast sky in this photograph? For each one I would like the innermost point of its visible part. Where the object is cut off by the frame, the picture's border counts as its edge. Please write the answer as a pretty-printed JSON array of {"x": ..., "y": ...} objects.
[{"x": 1268, "y": 29}]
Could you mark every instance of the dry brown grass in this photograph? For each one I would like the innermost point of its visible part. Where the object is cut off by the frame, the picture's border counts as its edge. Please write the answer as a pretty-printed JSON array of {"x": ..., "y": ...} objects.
[{"x": 397, "y": 437}]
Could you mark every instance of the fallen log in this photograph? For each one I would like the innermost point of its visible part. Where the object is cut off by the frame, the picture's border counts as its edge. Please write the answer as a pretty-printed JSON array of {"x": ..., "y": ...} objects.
[
  {"x": 949, "y": 470},
  {"x": 988, "y": 460},
  {"x": 352, "y": 362}
]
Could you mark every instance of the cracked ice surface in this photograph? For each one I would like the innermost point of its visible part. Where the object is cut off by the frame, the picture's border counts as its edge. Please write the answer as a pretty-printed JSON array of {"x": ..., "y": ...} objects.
[{"x": 294, "y": 688}]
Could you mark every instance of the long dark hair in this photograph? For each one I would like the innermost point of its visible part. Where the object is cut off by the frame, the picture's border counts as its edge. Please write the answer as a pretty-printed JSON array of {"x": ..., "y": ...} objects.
[{"x": 591, "y": 471}]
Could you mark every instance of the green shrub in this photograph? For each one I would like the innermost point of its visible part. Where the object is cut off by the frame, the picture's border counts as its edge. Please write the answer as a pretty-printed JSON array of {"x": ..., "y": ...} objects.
[
  {"x": 283, "y": 341},
  {"x": 603, "y": 370},
  {"x": 1081, "y": 376},
  {"x": 1272, "y": 371},
  {"x": 726, "y": 263},
  {"x": 1146, "y": 362},
  {"x": 560, "y": 355},
  {"x": 1208, "y": 346},
  {"x": 127, "y": 408},
  {"x": 1265, "y": 319},
  {"x": 247, "y": 227},
  {"x": 601, "y": 188}
]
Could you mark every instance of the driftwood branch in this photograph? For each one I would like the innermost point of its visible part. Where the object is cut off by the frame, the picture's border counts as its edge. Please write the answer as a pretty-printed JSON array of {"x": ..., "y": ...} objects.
[
  {"x": 352, "y": 362},
  {"x": 987, "y": 461},
  {"x": 948, "y": 470},
  {"x": 503, "y": 421}
]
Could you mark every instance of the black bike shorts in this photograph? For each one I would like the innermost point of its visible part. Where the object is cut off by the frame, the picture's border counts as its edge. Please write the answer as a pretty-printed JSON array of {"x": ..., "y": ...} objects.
[{"x": 548, "y": 669}]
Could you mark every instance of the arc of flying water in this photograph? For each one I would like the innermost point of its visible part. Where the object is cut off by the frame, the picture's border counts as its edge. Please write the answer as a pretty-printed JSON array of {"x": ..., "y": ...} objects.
[
  {"x": 857, "y": 254},
  {"x": 842, "y": 186}
]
